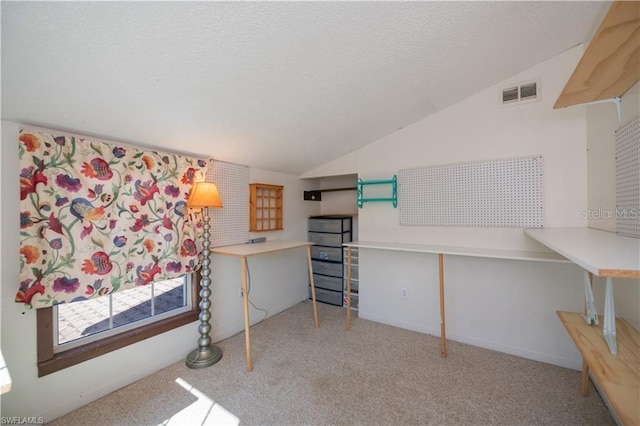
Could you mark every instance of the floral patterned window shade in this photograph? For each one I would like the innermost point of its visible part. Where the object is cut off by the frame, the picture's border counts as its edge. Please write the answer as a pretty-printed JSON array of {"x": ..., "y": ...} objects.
[{"x": 97, "y": 218}]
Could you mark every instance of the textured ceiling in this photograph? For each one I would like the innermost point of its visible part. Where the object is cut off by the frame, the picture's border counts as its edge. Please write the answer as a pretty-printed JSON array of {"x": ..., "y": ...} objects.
[{"x": 276, "y": 85}]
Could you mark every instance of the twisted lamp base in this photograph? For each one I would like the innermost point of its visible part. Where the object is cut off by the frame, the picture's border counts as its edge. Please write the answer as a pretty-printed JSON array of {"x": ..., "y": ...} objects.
[
  {"x": 199, "y": 358},
  {"x": 205, "y": 354}
]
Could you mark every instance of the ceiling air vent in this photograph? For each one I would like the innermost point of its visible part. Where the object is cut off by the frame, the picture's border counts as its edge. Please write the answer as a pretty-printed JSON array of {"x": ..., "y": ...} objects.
[{"x": 525, "y": 92}]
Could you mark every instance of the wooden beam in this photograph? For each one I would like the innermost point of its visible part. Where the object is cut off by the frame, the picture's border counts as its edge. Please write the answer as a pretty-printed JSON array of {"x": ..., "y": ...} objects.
[
  {"x": 617, "y": 375},
  {"x": 611, "y": 63}
]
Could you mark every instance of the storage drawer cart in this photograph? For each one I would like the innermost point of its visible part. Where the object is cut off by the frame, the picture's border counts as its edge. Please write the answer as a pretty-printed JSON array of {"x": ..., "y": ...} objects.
[{"x": 329, "y": 232}]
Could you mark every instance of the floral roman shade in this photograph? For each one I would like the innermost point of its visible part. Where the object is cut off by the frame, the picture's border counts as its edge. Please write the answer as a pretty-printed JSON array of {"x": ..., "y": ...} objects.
[{"x": 97, "y": 218}]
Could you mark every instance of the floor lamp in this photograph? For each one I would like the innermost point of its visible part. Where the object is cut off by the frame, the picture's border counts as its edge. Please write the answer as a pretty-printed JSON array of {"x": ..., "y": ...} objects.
[{"x": 204, "y": 195}]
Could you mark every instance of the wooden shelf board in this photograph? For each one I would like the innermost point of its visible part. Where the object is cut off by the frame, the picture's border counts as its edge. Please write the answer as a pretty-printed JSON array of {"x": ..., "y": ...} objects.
[
  {"x": 611, "y": 63},
  {"x": 618, "y": 376}
]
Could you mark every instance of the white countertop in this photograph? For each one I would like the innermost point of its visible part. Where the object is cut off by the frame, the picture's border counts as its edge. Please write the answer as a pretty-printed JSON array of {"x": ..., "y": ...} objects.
[
  {"x": 602, "y": 253},
  {"x": 251, "y": 249},
  {"x": 462, "y": 251}
]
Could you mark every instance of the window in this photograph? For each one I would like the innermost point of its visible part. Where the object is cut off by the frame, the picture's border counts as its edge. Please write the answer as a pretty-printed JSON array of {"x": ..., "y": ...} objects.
[
  {"x": 81, "y": 322},
  {"x": 265, "y": 202},
  {"x": 108, "y": 221},
  {"x": 72, "y": 333}
]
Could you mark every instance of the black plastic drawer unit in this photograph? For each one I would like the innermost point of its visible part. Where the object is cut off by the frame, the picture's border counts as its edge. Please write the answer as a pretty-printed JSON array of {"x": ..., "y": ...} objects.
[
  {"x": 330, "y": 297},
  {"x": 327, "y": 268},
  {"x": 332, "y": 254},
  {"x": 327, "y": 283},
  {"x": 333, "y": 224},
  {"x": 330, "y": 240},
  {"x": 329, "y": 232}
]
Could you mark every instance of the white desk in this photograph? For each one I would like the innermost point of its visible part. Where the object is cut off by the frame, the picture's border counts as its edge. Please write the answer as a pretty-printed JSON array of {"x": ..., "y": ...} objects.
[
  {"x": 616, "y": 364},
  {"x": 245, "y": 250},
  {"x": 441, "y": 250},
  {"x": 604, "y": 254}
]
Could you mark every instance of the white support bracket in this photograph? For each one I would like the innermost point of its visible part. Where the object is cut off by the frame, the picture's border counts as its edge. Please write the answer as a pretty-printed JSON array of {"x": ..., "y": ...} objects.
[
  {"x": 591, "y": 317},
  {"x": 616, "y": 100},
  {"x": 609, "y": 326}
]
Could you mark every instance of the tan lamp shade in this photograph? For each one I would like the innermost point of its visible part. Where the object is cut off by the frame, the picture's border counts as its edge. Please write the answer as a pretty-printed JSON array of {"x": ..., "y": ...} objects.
[{"x": 204, "y": 194}]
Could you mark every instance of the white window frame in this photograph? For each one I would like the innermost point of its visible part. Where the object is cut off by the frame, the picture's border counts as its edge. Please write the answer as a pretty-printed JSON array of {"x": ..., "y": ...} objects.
[{"x": 111, "y": 331}]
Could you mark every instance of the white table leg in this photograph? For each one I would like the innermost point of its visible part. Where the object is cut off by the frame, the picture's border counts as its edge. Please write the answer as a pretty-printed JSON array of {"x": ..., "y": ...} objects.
[
  {"x": 609, "y": 326},
  {"x": 591, "y": 316}
]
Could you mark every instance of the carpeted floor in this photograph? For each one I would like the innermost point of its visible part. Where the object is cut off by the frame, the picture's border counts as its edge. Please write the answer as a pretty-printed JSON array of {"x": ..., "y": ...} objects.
[{"x": 373, "y": 375}]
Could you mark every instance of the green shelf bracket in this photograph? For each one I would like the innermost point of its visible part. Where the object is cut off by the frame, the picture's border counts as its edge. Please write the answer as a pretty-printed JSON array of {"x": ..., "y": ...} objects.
[{"x": 394, "y": 191}]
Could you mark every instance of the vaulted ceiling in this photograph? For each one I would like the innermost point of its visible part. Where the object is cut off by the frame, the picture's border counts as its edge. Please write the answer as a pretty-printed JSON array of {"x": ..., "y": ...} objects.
[{"x": 283, "y": 86}]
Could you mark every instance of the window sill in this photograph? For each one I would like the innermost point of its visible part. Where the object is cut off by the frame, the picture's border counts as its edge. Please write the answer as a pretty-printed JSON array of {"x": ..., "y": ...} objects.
[{"x": 68, "y": 358}]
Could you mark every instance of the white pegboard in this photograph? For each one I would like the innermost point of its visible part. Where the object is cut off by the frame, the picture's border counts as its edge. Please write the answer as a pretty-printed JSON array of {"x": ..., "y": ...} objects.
[
  {"x": 230, "y": 224},
  {"x": 495, "y": 193},
  {"x": 628, "y": 178}
]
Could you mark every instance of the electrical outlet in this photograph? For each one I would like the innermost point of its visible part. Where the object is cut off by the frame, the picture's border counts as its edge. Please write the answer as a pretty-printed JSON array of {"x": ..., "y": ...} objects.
[{"x": 405, "y": 293}]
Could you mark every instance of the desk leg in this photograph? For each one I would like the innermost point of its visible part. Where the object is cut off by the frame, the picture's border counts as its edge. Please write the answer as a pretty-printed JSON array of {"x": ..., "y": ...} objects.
[
  {"x": 245, "y": 297},
  {"x": 609, "y": 326},
  {"x": 587, "y": 308},
  {"x": 585, "y": 378},
  {"x": 443, "y": 337},
  {"x": 313, "y": 287},
  {"x": 590, "y": 316},
  {"x": 348, "y": 288}
]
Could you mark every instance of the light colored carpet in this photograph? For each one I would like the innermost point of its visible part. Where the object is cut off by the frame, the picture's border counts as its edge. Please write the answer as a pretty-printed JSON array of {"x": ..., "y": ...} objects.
[{"x": 372, "y": 375}]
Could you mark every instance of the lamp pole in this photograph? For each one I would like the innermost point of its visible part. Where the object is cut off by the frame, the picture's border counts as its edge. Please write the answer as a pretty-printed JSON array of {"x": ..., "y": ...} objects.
[{"x": 206, "y": 354}]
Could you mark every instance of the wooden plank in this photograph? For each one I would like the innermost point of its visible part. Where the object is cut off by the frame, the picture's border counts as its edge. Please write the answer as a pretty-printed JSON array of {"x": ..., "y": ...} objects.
[
  {"x": 618, "y": 376},
  {"x": 443, "y": 337},
  {"x": 611, "y": 63},
  {"x": 247, "y": 323},
  {"x": 616, "y": 273},
  {"x": 313, "y": 287}
]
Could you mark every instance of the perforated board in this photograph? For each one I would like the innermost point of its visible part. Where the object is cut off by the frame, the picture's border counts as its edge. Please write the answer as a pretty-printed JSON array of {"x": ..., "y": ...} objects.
[
  {"x": 230, "y": 224},
  {"x": 628, "y": 179},
  {"x": 495, "y": 193}
]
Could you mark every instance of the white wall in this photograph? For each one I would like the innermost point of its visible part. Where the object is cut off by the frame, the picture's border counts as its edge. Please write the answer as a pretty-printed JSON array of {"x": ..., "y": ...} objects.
[
  {"x": 602, "y": 122},
  {"x": 278, "y": 282},
  {"x": 345, "y": 165},
  {"x": 336, "y": 202},
  {"x": 479, "y": 129},
  {"x": 339, "y": 202},
  {"x": 504, "y": 305},
  {"x": 601, "y": 156}
]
